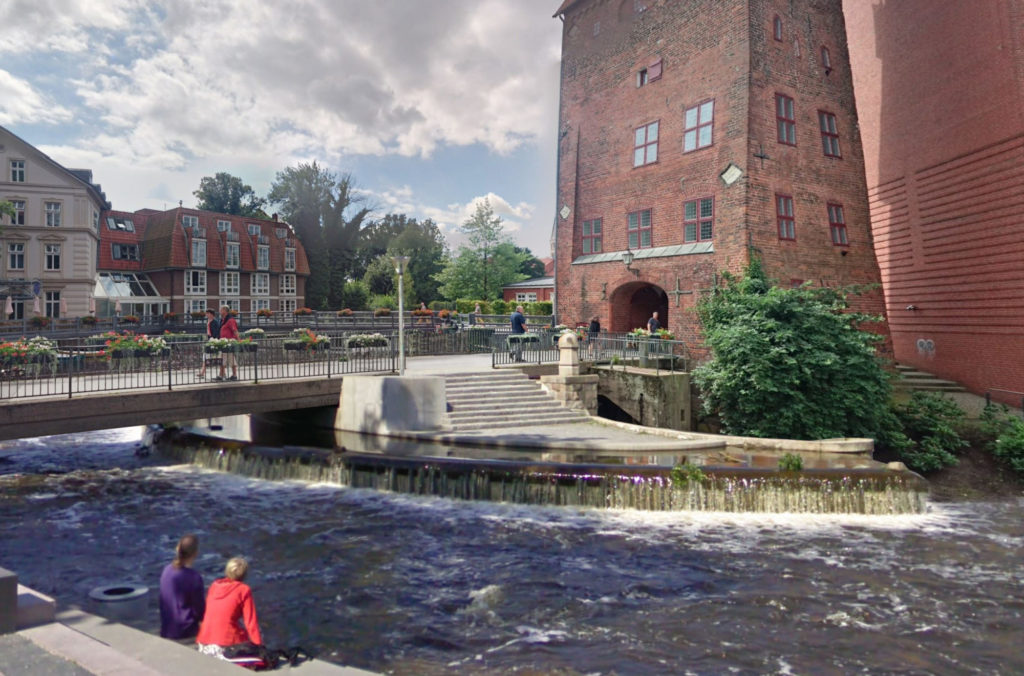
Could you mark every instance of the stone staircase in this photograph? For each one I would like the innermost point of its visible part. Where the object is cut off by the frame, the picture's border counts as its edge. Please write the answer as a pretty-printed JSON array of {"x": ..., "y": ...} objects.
[
  {"x": 910, "y": 379},
  {"x": 483, "y": 401}
]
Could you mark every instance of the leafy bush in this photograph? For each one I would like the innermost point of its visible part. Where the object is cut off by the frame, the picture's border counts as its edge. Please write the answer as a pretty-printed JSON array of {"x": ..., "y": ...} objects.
[
  {"x": 686, "y": 473},
  {"x": 791, "y": 462},
  {"x": 541, "y": 307},
  {"x": 500, "y": 307},
  {"x": 381, "y": 301},
  {"x": 930, "y": 422},
  {"x": 355, "y": 295},
  {"x": 1009, "y": 447},
  {"x": 366, "y": 340},
  {"x": 466, "y": 307},
  {"x": 790, "y": 362},
  {"x": 264, "y": 312}
]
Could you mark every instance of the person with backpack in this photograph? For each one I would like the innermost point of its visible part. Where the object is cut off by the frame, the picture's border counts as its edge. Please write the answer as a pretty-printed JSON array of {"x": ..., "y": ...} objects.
[
  {"x": 212, "y": 331},
  {"x": 228, "y": 329}
]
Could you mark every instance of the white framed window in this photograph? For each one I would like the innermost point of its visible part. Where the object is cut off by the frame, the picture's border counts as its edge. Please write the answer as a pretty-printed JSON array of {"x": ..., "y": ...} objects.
[
  {"x": 195, "y": 282},
  {"x": 289, "y": 259},
  {"x": 229, "y": 285},
  {"x": 52, "y": 257},
  {"x": 287, "y": 285},
  {"x": 19, "y": 212},
  {"x": 96, "y": 221},
  {"x": 286, "y": 305},
  {"x": 262, "y": 257},
  {"x": 124, "y": 252},
  {"x": 52, "y": 210},
  {"x": 231, "y": 256},
  {"x": 16, "y": 256},
  {"x": 260, "y": 304},
  {"x": 120, "y": 223},
  {"x": 281, "y": 232},
  {"x": 51, "y": 303},
  {"x": 223, "y": 226},
  {"x": 198, "y": 252},
  {"x": 259, "y": 284},
  {"x": 195, "y": 305},
  {"x": 190, "y": 221},
  {"x": 17, "y": 171},
  {"x": 254, "y": 228},
  {"x": 232, "y": 303},
  {"x": 19, "y": 310},
  {"x": 526, "y": 297}
]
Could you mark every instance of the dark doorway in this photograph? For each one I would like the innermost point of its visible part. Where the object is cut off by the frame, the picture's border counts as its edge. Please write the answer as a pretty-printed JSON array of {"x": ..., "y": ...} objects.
[{"x": 634, "y": 305}]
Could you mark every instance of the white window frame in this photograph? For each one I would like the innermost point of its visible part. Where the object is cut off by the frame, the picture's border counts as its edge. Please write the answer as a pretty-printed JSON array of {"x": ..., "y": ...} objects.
[
  {"x": 130, "y": 252},
  {"x": 232, "y": 261},
  {"x": 195, "y": 305},
  {"x": 15, "y": 255},
  {"x": 198, "y": 252},
  {"x": 51, "y": 304},
  {"x": 259, "y": 284},
  {"x": 195, "y": 282},
  {"x": 287, "y": 285},
  {"x": 289, "y": 259},
  {"x": 262, "y": 257},
  {"x": 229, "y": 283},
  {"x": 51, "y": 257},
  {"x": 223, "y": 226},
  {"x": 52, "y": 211},
  {"x": 254, "y": 229},
  {"x": 260, "y": 304},
  {"x": 19, "y": 212},
  {"x": 190, "y": 221},
  {"x": 526, "y": 297},
  {"x": 287, "y": 304},
  {"x": 232, "y": 303},
  {"x": 17, "y": 171}
]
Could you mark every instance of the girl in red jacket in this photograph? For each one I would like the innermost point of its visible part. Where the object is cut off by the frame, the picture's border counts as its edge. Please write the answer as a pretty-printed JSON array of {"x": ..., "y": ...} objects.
[{"x": 228, "y": 601}]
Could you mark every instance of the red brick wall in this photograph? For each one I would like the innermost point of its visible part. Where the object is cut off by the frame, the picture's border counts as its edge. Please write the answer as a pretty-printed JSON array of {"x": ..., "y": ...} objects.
[
  {"x": 942, "y": 115},
  {"x": 710, "y": 49}
]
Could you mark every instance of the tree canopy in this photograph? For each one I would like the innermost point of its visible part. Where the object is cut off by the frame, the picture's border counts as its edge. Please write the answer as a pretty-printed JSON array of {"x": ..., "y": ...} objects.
[
  {"x": 487, "y": 263},
  {"x": 227, "y": 194},
  {"x": 6, "y": 208},
  {"x": 791, "y": 362},
  {"x": 532, "y": 266}
]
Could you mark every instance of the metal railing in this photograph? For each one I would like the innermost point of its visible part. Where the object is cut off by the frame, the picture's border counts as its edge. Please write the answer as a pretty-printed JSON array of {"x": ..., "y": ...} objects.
[
  {"x": 616, "y": 349},
  {"x": 83, "y": 367}
]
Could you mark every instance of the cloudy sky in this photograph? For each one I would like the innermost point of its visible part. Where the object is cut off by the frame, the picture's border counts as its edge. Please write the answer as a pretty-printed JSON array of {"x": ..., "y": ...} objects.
[{"x": 430, "y": 104}]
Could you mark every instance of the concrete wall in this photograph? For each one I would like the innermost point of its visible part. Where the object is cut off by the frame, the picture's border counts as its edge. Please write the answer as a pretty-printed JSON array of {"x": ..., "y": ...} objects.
[
  {"x": 652, "y": 399},
  {"x": 386, "y": 404}
]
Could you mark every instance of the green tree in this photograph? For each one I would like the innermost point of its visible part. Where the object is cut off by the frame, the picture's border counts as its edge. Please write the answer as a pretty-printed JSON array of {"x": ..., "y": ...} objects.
[
  {"x": 355, "y": 296},
  {"x": 227, "y": 194},
  {"x": 424, "y": 244},
  {"x": 487, "y": 263},
  {"x": 375, "y": 239},
  {"x": 532, "y": 266},
  {"x": 320, "y": 204},
  {"x": 6, "y": 208},
  {"x": 381, "y": 279},
  {"x": 791, "y": 362}
]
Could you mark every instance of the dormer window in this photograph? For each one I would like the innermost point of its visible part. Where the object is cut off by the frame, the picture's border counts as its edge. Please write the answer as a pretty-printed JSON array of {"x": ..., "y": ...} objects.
[
  {"x": 281, "y": 232},
  {"x": 125, "y": 252},
  {"x": 231, "y": 255},
  {"x": 254, "y": 228},
  {"x": 223, "y": 226},
  {"x": 289, "y": 259},
  {"x": 198, "y": 253},
  {"x": 263, "y": 257},
  {"x": 190, "y": 221}
]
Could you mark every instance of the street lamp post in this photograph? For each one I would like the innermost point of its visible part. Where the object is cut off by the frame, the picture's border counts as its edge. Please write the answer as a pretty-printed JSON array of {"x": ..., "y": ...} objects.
[{"x": 400, "y": 263}]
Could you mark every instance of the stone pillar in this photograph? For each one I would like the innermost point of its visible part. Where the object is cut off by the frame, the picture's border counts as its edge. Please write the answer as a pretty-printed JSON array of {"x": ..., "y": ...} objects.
[{"x": 572, "y": 390}]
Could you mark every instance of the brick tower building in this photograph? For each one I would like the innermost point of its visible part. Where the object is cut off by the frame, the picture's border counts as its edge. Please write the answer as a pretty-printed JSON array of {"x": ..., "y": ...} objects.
[
  {"x": 693, "y": 134},
  {"x": 940, "y": 93}
]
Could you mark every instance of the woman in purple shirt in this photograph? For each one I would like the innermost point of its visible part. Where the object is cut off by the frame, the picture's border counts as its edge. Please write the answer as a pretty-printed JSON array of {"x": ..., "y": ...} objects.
[{"x": 182, "y": 597}]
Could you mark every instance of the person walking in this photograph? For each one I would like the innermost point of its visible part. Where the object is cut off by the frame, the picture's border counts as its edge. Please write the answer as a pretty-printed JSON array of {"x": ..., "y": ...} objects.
[
  {"x": 228, "y": 603},
  {"x": 653, "y": 324},
  {"x": 182, "y": 597},
  {"x": 228, "y": 329},
  {"x": 593, "y": 333},
  {"x": 518, "y": 330},
  {"x": 212, "y": 331}
]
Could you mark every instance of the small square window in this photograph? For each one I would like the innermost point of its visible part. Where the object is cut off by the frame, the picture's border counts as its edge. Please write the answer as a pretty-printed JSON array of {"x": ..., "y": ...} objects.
[
  {"x": 223, "y": 226},
  {"x": 190, "y": 221},
  {"x": 287, "y": 285},
  {"x": 195, "y": 282},
  {"x": 259, "y": 284},
  {"x": 784, "y": 217},
  {"x": 254, "y": 229},
  {"x": 229, "y": 285}
]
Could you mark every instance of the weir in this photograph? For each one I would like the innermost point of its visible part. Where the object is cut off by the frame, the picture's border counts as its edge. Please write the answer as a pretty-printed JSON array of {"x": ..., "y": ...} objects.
[{"x": 593, "y": 485}]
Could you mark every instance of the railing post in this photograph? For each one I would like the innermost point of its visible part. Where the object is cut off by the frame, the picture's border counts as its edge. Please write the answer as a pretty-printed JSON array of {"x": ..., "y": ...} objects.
[
  {"x": 256, "y": 364},
  {"x": 71, "y": 367},
  {"x": 170, "y": 360}
]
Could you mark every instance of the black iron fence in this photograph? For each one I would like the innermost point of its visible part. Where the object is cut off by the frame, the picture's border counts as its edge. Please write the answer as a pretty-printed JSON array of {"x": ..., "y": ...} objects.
[{"x": 616, "y": 349}]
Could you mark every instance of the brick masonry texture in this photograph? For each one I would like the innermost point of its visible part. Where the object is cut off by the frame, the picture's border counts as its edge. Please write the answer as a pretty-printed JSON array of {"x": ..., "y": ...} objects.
[
  {"x": 942, "y": 116},
  {"x": 725, "y": 51}
]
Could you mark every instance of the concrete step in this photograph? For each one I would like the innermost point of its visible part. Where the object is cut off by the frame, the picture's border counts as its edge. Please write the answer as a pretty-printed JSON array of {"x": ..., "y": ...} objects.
[
  {"x": 490, "y": 376},
  {"x": 502, "y": 385},
  {"x": 493, "y": 424},
  {"x": 524, "y": 416},
  {"x": 538, "y": 403}
]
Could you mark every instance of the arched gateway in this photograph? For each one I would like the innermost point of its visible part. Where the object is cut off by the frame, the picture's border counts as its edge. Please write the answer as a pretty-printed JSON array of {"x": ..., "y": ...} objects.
[{"x": 632, "y": 305}]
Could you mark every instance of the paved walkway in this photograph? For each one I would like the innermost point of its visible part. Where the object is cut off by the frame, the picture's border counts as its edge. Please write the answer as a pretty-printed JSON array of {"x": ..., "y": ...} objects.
[{"x": 80, "y": 644}]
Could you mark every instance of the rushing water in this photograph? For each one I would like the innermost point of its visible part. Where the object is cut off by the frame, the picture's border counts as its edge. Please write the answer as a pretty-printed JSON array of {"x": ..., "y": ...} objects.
[{"x": 415, "y": 585}]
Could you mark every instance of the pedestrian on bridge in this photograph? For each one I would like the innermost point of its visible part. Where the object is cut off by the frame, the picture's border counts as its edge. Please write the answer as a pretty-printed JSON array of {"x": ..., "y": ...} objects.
[
  {"x": 228, "y": 329},
  {"x": 212, "y": 331}
]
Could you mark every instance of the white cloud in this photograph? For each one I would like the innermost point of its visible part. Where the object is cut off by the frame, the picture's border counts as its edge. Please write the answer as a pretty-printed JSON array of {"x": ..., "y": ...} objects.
[
  {"x": 62, "y": 25},
  {"x": 20, "y": 101}
]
